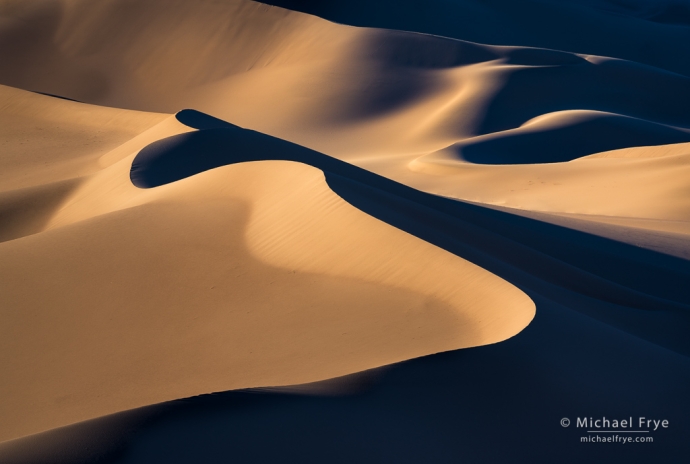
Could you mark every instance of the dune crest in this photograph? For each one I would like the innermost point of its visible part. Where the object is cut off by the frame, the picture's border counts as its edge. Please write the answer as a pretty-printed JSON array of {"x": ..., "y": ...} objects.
[
  {"x": 384, "y": 100},
  {"x": 201, "y": 197},
  {"x": 349, "y": 92},
  {"x": 248, "y": 275}
]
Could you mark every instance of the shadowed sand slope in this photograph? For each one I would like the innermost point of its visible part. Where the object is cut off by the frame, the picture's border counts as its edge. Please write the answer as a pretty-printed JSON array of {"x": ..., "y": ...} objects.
[
  {"x": 414, "y": 412},
  {"x": 349, "y": 92},
  {"x": 450, "y": 117},
  {"x": 563, "y": 136},
  {"x": 342, "y": 198},
  {"x": 545, "y": 250},
  {"x": 635, "y": 30},
  {"x": 248, "y": 275},
  {"x": 598, "y": 312}
]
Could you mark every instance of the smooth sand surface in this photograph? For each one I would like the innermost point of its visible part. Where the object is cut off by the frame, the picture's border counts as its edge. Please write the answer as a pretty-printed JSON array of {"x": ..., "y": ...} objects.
[
  {"x": 249, "y": 275},
  {"x": 47, "y": 145},
  {"x": 375, "y": 97},
  {"x": 345, "y": 91},
  {"x": 339, "y": 199}
]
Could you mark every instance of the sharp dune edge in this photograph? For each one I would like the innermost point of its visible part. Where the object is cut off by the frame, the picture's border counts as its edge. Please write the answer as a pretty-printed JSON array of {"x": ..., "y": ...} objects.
[
  {"x": 338, "y": 199},
  {"x": 368, "y": 95},
  {"x": 250, "y": 275}
]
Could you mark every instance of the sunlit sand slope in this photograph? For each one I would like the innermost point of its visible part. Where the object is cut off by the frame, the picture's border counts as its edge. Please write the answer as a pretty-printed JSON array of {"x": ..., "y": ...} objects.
[
  {"x": 248, "y": 275},
  {"x": 399, "y": 194},
  {"x": 404, "y": 105},
  {"x": 346, "y": 91},
  {"x": 46, "y": 144}
]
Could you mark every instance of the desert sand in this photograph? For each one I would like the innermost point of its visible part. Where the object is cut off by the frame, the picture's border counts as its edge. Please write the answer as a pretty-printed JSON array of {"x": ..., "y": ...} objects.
[
  {"x": 199, "y": 197},
  {"x": 228, "y": 279}
]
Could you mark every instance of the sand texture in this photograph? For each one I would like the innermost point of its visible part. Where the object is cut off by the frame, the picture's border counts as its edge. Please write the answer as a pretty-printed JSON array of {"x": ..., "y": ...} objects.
[{"x": 284, "y": 198}]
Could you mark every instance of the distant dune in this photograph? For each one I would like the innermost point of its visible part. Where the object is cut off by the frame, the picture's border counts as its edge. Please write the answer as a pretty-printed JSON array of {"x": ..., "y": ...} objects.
[
  {"x": 341, "y": 90},
  {"x": 362, "y": 94},
  {"x": 633, "y": 30},
  {"x": 199, "y": 197}
]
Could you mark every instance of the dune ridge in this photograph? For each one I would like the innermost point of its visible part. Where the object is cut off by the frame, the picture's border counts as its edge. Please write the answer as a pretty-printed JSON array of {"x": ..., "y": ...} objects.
[
  {"x": 378, "y": 98},
  {"x": 633, "y": 30},
  {"x": 538, "y": 245},
  {"x": 334, "y": 199},
  {"x": 562, "y": 263},
  {"x": 263, "y": 245},
  {"x": 344, "y": 91}
]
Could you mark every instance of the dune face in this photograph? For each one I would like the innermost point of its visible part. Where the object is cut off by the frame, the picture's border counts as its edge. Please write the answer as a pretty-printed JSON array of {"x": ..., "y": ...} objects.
[
  {"x": 633, "y": 30},
  {"x": 47, "y": 140},
  {"x": 46, "y": 145},
  {"x": 251, "y": 275},
  {"x": 344, "y": 91},
  {"x": 220, "y": 195},
  {"x": 401, "y": 104}
]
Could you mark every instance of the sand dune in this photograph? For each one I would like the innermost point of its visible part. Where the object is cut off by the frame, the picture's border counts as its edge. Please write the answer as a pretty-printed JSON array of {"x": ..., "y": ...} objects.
[
  {"x": 334, "y": 199},
  {"x": 344, "y": 91},
  {"x": 642, "y": 186},
  {"x": 376, "y": 98},
  {"x": 254, "y": 274},
  {"x": 574, "y": 133},
  {"x": 46, "y": 140},
  {"x": 634, "y": 30}
]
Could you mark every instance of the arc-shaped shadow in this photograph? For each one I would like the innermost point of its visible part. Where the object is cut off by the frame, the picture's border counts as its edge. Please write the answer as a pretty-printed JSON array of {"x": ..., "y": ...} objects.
[
  {"x": 450, "y": 407},
  {"x": 560, "y": 142},
  {"x": 534, "y": 87},
  {"x": 526, "y": 252}
]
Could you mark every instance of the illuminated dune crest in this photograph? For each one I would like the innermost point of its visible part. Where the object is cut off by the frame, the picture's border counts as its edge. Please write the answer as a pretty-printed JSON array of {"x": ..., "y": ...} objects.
[{"x": 248, "y": 275}]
